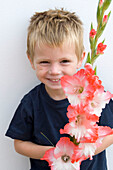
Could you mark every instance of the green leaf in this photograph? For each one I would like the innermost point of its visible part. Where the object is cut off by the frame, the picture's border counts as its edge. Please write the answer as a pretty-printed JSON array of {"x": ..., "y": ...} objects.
[
  {"x": 88, "y": 60},
  {"x": 109, "y": 14},
  {"x": 99, "y": 13},
  {"x": 91, "y": 26},
  {"x": 100, "y": 31},
  {"x": 91, "y": 43},
  {"x": 106, "y": 4},
  {"x": 94, "y": 56},
  {"x": 102, "y": 27},
  {"x": 103, "y": 41},
  {"x": 95, "y": 69}
]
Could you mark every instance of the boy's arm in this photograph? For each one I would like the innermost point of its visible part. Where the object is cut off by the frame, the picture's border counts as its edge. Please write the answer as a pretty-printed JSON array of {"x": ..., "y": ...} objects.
[
  {"x": 35, "y": 151},
  {"x": 106, "y": 142},
  {"x": 30, "y": 149}
]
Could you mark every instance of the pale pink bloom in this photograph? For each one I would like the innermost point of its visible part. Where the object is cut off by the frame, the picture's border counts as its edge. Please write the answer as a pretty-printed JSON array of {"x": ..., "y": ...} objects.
[
  {"x": 81, "y": 123},
  {"x": 78, "y": 154},
  {"x": 80, "y": 87},
  {"x": 73, "y": 130},
  {"x": 104, "y": 131},
  {"x": 81, "y": 115},
  {"x": 92, "y": 78},
  {"x": 49, "y": 156},
  {"x": 89, "y": 69},
  {"x": 80, "y": 132},
  {"x": 90, "y": 148},
  {"x": 77, "y": 88},
  {"x": 60, "y": 157},
  {"x": 100, "y": 99}
]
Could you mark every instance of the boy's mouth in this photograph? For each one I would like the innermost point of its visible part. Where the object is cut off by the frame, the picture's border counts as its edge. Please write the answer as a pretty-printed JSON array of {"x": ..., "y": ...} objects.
[{"x": 54, "y": 80}]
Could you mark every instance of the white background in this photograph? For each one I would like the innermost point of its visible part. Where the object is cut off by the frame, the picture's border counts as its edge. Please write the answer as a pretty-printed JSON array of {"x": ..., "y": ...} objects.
[{"x": 16, "y": 75}]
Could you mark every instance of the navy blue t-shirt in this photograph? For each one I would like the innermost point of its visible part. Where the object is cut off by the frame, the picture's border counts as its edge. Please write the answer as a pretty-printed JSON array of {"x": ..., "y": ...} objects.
[{"x": 38, "y": 113}]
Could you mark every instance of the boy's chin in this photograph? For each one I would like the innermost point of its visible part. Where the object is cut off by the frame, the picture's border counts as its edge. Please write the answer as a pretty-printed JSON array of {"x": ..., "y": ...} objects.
[{"x": 54, "y": 87}]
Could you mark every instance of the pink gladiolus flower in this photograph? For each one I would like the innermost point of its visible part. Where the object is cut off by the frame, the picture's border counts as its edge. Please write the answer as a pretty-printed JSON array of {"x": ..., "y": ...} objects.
[
  {"x": 89, "y": 69},
  {"x": 73, "y": 130},
  {"x": 105, "y": 19},
  {"x": 80, "y": 121},
  {"x": 90, "y": 72},
  {"x": 92, "y": 33},
  {"x": 92, "y": 78},
  {"x": 78, "y": 154},
  {"x": 104, "y": 131},
  {"x": 101, "y": 48},
  {"x": 80, "y": 132},
  {"x": 90, "y": 148},
  {"x": 60, "y": 157},
  {"x": 81, "y": 86},
  {"x": 100, "y": 99},
  {"x": 77, "y": 88},
  {"x": 80, "y": 114}
]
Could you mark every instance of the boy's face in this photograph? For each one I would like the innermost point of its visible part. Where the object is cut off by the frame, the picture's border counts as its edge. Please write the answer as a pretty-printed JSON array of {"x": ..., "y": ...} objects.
[{"x": 51, "y": 64}]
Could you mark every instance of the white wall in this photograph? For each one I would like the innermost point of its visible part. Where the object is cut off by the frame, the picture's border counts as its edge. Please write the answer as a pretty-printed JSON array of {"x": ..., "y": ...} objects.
[{"x": 16, "y": 75}]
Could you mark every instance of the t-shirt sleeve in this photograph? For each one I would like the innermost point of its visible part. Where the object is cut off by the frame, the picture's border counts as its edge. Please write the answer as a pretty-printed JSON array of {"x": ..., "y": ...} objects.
[
  {"x": 21, "y": 126},
  {"x": 106, "y": 118}
]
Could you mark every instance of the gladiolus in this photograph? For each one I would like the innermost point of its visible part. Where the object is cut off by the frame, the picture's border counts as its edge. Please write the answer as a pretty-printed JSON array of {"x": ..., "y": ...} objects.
[
  {"x": 92, "y": 33},
  {"x": 101, "y": 3},
  {"x": 105, "y": 19},
  {"x": 100, "y": 48},
  {"x": 60, "y": 157}
]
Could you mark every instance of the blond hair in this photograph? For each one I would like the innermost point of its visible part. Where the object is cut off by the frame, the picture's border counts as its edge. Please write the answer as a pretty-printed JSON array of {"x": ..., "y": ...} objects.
[{"x": 52, "y": 28}]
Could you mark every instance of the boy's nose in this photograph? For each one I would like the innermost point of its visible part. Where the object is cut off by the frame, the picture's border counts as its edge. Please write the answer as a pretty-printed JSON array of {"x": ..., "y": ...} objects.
[{"x": 54, "y": 69}]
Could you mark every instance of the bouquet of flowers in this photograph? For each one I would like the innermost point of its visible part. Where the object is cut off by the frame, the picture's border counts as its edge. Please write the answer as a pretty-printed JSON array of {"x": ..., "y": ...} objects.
[{"x": 87, "y": 98}]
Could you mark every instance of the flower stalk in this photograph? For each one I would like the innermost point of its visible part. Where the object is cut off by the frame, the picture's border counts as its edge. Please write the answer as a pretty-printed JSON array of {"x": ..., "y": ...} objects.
[{"x": 94, "y": 35}]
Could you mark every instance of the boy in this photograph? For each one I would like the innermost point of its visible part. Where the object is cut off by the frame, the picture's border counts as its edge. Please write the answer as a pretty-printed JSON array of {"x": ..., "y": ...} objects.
[{"x": 54, "y": 48}]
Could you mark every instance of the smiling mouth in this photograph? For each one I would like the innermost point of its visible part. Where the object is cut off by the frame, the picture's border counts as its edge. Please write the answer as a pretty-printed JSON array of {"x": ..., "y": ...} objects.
[{"x": 54, "y": 80}]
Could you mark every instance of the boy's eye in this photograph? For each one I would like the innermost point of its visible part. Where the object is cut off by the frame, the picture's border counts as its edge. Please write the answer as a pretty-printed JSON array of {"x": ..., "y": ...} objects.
[
  {"x": 65, "y": 61},
  {"x": 44, "y": 62}
]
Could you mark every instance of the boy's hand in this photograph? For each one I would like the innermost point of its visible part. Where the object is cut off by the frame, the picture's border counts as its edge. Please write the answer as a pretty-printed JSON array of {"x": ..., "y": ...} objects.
[{"x": 30, "y": 149}]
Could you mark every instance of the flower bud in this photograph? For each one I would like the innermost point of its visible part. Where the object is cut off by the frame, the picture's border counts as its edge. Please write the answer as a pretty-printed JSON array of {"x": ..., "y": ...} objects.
[
  {"x": 92, "y": 33},
  {"x": 105, "y": 19},
  {"x": 100, "y": 48},
  {"x": 100, "y": 3}
]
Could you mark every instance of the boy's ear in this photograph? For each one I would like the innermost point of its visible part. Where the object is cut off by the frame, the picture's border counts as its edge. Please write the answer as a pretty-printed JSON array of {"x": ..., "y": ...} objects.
[
  {"x": 80, "y": 62},
  {"x": 32, "y": 65}
]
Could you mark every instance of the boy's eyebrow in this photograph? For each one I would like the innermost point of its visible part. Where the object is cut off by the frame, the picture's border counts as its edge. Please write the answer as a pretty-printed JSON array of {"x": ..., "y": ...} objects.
[{"x": 48, "y": 59}]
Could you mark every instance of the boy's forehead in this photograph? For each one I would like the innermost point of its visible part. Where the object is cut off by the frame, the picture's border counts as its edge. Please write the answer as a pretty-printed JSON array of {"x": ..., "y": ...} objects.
[
  {"x": 40, "y": 47},
  {"x": 45, "y": 51}
]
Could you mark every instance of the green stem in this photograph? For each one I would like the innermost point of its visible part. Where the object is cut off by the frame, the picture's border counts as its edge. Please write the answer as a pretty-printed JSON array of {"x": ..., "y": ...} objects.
[{"x": 47, "y": 139}]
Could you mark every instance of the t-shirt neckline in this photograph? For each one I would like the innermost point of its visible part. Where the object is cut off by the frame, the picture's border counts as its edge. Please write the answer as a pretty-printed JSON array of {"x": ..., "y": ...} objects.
[{"x": 49, "y": 100}]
